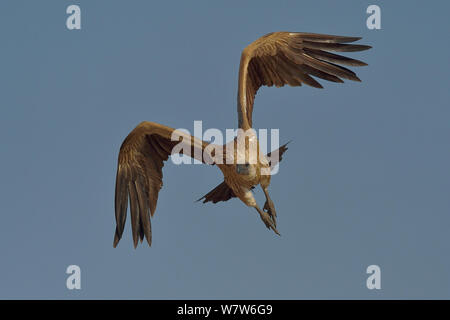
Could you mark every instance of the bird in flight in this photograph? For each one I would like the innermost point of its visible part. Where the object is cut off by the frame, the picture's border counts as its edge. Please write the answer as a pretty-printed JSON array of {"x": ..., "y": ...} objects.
[{"x": 278, "y": 58}]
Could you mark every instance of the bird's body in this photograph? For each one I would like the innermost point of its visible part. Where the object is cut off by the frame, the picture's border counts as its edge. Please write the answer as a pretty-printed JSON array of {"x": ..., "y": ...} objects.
[
  {"x": 241, "y": 184},
  {"x": 278, "y": 59}
]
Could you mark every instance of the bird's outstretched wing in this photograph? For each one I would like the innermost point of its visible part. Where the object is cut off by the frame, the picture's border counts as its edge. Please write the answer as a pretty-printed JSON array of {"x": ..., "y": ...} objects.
[
  {"x": 139, "y": 174},
  {"x": 292, "y": 58}
]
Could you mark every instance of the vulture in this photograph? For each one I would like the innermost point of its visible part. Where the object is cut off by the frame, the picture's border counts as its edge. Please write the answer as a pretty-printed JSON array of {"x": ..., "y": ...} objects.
[{"x": 275, "y": 59}]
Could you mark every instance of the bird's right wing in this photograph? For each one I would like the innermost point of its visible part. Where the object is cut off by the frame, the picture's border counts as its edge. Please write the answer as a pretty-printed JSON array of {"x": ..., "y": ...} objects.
[
  {"x": 281, "y": 58},
  {"x": 139, "y": 174}
]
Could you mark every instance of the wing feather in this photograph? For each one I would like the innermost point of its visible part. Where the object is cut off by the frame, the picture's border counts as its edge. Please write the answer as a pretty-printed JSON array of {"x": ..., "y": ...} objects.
[
  {"x": 134, "y": 212},
  {"x": 335, "y": 58},
  {"x": 334, "y": 46}
]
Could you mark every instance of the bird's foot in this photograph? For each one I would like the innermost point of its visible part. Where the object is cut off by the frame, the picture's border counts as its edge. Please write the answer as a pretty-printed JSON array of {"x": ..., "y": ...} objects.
[
  {"x": 268, "y": 221},
  {"x": 270, "y": 209}
]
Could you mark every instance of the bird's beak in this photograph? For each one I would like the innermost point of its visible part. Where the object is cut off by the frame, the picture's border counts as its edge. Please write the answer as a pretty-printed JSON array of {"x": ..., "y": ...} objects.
[{"x": 241, "y": 169}]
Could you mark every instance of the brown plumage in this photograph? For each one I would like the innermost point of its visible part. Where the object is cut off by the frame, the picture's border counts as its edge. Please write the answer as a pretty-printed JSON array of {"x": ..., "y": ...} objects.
[{"x": 278, "y": 59}]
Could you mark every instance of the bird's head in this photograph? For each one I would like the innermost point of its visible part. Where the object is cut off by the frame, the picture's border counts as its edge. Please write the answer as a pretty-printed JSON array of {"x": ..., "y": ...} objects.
[{"x": 243, "y": 168}]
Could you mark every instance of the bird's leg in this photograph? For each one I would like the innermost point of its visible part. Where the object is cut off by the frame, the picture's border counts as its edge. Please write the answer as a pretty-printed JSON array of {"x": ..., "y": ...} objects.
[
  {"x": 266, "y": 218},
  {"x": 248, "y": 198},
  {"x": 269, "y": 207}
]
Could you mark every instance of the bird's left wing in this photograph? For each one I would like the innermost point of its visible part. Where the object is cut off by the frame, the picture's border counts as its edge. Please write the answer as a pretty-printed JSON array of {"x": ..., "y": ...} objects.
[
  {"x": 139, "y": 174},
  {"x": 292, "y": 58}
]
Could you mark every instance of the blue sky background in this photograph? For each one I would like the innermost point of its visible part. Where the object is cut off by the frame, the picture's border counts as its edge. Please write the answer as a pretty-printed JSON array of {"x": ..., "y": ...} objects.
[{"x": 366, "y": 179}]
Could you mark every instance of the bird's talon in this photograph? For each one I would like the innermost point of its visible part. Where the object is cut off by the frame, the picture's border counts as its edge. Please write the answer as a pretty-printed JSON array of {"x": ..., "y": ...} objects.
[
  {"x": 270, "y": 209},
  {"x": 276, "y": 231}
]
